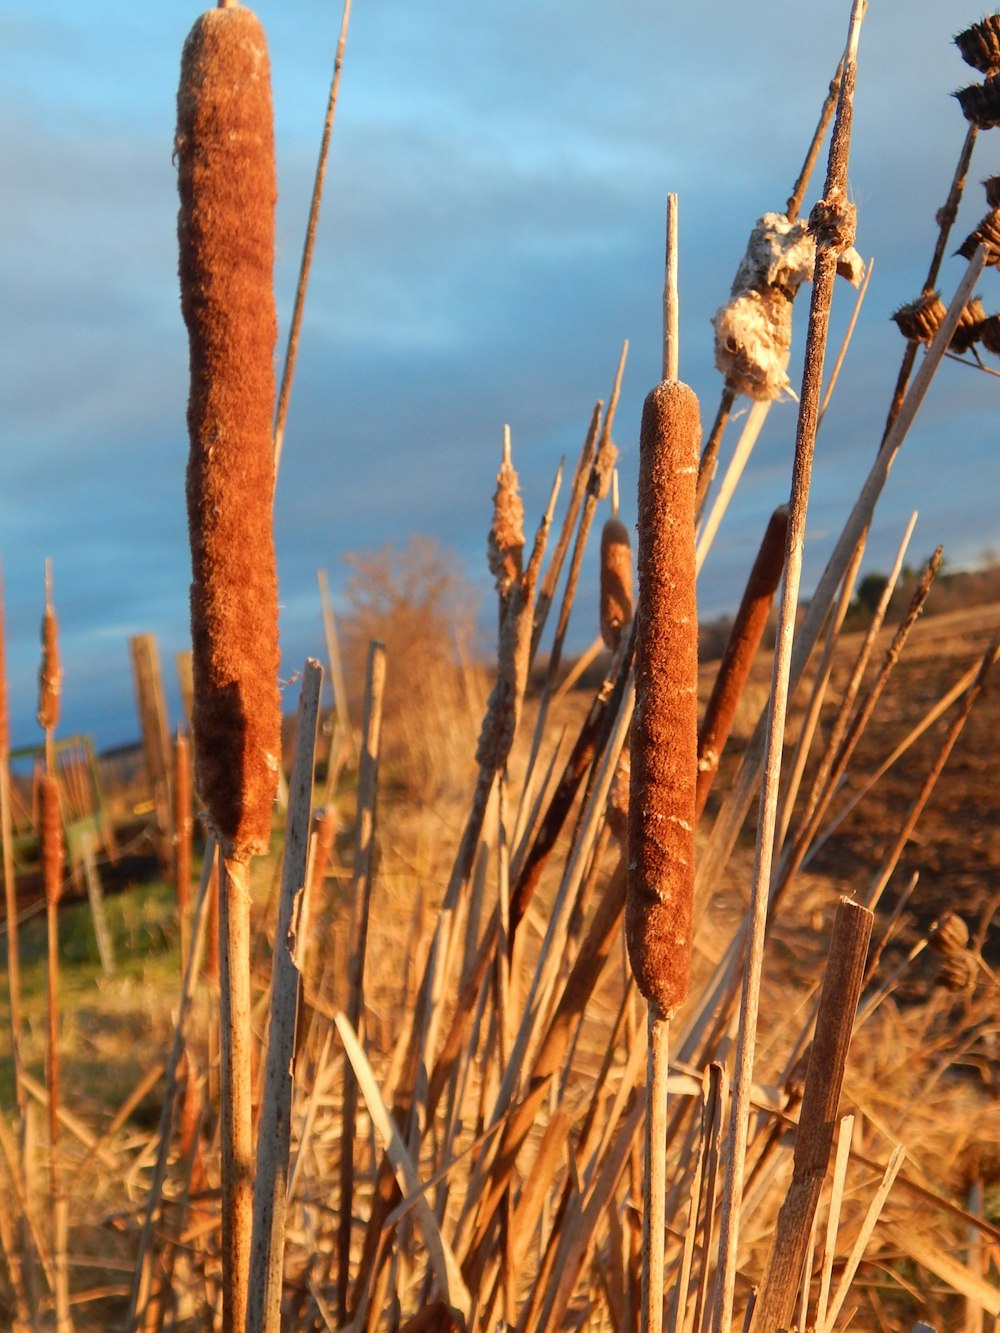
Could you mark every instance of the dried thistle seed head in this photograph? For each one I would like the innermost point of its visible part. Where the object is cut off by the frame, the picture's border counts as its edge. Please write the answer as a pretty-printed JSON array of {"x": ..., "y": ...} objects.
[
  {"x": 979, "y": 45},
  {"x": 988, "y": 234},
  {"x": 968, "y": 330},
  {"x": 50, "y": 671},
  {"x": 949, "y": 934},
  {"x": 989, "y": 334},
  {"x": 980, "y": 103},
  {"x": 505, "y": 545},
  {"x": 920, "y": 319},
  {"x": 664, "y": 753},
  {"x": 227, "y": 185},
  {"x": 616, "y": 581},
  {"x": 958, "y": 972}
]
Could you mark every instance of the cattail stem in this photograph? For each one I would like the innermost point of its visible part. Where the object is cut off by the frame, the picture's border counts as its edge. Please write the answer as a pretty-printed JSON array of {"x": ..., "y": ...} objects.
[
  {"x": 9, "y": 876},
  {"x": 832, "y": 223},
  {"x": 818, "y": 1116},
  {"x": 182, "y": 842},
  {"x": 281, "y": 413},
  {"x": 363, "y": 881},
  {"x": 271, "y": 1184},
  {"x": 654, "y": 1191}
]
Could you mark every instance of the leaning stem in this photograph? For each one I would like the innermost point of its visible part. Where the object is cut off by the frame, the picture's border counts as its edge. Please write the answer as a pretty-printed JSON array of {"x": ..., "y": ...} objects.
[
  {"x": 236, "y": 1132},
  {"x": 655, "y": 1182}
]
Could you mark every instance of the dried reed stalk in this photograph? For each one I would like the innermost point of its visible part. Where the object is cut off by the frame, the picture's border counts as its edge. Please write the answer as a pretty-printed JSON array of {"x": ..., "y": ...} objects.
[
  {"x": 740, "y": 654},
  {"x": 270, "y": 1195},
  {"x": 226, "y": 178},
  {"x": 832, "y": 224},
  {"x": 183, "y": 828},
  {"x": 142, "y": 1276},
  {"x": 9, "y": 875},
  {"x": 361, "y": 893},
  {"x": 291, "y": 353},
  {"x": 845, "y": 970},
  {"x": 616, "y": 581},
  {"x": 547, "y": 587}
]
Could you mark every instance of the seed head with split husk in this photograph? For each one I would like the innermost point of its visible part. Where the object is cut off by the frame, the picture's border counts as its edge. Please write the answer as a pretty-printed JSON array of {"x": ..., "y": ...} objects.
[
  {"x": 50, "y": 671},
  {"x": 226, "y": 177},
  {"x": 505, "y": 545},
  {"x": 664, "y": 733}
]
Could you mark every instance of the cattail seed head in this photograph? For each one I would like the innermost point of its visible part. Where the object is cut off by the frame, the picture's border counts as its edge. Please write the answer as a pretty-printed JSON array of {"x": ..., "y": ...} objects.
[
  {"x": 50, "y": 671},
  {"x": 958, "y": 972},
  {"x": 616, "y": 581},
  {"x": 226, "y": 178},
  {"x": 659, "y": 912},
  {"x": 979, "y": 45},
  {"x": 992, "y": 187}
]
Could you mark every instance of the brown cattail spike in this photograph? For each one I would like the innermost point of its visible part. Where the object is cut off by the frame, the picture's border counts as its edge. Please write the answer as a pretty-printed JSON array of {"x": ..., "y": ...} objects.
[
  {"x": 741, "y": 649},
  {"x": 50, "y": 672},
  {"x": 616, "y": 581},
  {"x": 226, "y": 177},
  {"x": 664, "y": 732}
]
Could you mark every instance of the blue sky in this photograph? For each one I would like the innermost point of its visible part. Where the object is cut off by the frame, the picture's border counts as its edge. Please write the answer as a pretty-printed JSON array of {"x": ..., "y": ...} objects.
[{"x": 491, "y": 233}]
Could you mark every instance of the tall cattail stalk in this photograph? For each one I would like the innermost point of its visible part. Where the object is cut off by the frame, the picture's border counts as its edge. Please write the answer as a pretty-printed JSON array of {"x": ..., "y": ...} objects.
[
  {"x": 226, "y": 178},
  {"x": 363, "y": 880},
  {"x": 817, "y": 1119},
  {"x": 9, "y": 877},
  {"x": 661, "y": 818},
  {"x": 832, "y": 223},
  {"x": 51, "y": 838}
]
